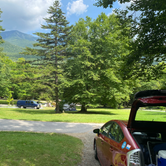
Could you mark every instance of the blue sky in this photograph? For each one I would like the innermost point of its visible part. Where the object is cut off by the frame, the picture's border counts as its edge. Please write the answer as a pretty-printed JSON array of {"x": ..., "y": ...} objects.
[{"x": 27, "y": 15}]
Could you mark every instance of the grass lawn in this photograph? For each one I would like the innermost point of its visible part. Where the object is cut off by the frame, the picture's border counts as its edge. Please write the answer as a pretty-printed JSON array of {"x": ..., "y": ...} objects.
[
  {"x": 96, "y": 115},
  {"x": 39, "y": 149},
  {"x": 147, "y": 115},
  {"x": 42, "y": 149}
]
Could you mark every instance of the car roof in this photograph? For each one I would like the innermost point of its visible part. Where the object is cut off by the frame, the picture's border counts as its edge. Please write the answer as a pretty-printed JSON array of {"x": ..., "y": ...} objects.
[
  {"x": 144, "y": 99},
  {"x": 148, "y": 93}
]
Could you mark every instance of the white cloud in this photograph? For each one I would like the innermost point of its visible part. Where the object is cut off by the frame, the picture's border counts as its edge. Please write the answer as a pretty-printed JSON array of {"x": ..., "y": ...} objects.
[
  {"x": 76, "y": 7},
  {"x": 24, "y": 15}
]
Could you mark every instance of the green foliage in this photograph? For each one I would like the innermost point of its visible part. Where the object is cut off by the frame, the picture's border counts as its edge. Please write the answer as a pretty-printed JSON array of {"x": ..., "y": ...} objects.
[
  {"x": 5, "y": 63},
  {"x": 93, "y": 70},
  {"x": 4, "y": 75},
  {"x": 13, "y": 51},
  {"x": 21, "y": 80},
  {"x": 9, "y": 98},
  {"x": 108, "y": 3},
  {"x": 3, "y": 102},
  {"x": 148, "y": 30},
  {"x": 8, "y": 47}
]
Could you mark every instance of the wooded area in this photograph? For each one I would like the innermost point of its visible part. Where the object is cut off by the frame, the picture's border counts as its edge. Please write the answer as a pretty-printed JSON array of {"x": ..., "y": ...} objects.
[{"x": 94, "y": 62}]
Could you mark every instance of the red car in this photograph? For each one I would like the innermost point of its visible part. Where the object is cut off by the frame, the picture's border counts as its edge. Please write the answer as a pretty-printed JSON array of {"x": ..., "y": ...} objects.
[{"x": 141, "y": 140}]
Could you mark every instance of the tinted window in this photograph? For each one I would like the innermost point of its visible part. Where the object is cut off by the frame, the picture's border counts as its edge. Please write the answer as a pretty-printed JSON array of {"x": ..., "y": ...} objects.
[
  {"x": 115, "y": 132},
  {"x": 104, "y": 130}
]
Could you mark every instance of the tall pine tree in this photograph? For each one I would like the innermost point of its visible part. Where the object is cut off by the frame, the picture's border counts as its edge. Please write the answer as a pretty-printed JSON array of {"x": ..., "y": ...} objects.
[{"x": 51, "y": 48}]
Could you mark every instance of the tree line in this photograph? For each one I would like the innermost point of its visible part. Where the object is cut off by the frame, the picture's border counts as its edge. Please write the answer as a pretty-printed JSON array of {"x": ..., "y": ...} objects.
[{"x": 94, "y": 62}]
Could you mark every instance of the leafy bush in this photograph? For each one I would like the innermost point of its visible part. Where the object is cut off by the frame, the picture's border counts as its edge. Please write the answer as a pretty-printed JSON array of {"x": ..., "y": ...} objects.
[{"x": 6, "y": 102}]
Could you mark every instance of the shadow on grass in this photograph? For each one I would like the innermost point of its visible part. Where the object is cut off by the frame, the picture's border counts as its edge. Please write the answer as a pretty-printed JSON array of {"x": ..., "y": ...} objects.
[
  {"x": 39, "y": 120},
  {"x": 154, "y": 113},
  {"x": 34, "y": 111},
  {"x": 43, "y": 111},
  {"x": 48, "y": 121},
  {"x": 93, "y": 112}
]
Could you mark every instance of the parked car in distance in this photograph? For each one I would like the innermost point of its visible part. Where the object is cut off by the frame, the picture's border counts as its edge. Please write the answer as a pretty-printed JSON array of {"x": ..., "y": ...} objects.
[
  {"x": 69, "y": 107},
  {"x": 28, "y": 103},
  {"x": 140, "y": 141}
]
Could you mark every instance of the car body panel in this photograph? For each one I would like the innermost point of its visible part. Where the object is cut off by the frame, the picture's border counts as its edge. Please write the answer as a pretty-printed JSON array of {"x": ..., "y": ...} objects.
[
  {"x": 69, "y": 107},
  {"x": 112, "y": 151}
]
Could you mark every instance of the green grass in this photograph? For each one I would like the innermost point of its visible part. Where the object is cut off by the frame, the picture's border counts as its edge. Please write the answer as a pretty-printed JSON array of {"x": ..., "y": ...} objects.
[
  {"x": 96, "y": 115},
  {"x": 151, "y": 116},
  {"x": 38, "y": 149}
]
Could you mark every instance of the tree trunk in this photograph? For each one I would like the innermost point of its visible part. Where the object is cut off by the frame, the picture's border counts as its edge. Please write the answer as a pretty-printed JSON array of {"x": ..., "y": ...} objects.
[
  {"x": 56, "y": 88},
  {"x": 57, "y": 101},
  {"x": 83, "y": 108}
]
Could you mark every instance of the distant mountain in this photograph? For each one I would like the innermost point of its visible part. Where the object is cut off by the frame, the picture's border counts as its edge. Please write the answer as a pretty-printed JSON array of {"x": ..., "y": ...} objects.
[
  {"x": 15, "y": 41},
  {"x": 18, "y": 38},
  {"x": 6, "y": 35}
]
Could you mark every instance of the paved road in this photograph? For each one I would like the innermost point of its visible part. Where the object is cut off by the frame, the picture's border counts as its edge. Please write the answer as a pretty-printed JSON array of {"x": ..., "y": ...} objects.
[{"x": 37, "y": 126}]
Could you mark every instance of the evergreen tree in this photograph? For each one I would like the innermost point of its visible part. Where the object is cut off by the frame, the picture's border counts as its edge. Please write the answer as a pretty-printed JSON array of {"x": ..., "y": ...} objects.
[{"x": 51, "y": 48}]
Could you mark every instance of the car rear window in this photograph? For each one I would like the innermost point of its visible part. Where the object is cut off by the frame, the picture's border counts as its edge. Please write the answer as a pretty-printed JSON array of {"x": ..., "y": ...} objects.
[{"x": 151, "y": 113}]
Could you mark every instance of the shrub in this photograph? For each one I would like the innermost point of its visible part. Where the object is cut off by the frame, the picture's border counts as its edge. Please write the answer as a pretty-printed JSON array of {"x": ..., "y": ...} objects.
[{"x": 6, "y": 102}]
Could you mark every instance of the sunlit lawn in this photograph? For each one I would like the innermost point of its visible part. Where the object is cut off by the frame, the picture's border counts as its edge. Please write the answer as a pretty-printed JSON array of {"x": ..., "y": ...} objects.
[
  {"x": 96, "y": 115},
  {"x": 151, "y": 115},
  {"x": 39, "y": 149},
  {"x": 21, "y": 148}
]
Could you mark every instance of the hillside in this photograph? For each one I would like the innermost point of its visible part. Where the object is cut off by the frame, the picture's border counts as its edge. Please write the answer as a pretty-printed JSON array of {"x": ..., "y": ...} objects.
[
  {"x": 12, "y": 51},
  {"x": 18, "y": 38},
  {"x": 15, "y": 42}
]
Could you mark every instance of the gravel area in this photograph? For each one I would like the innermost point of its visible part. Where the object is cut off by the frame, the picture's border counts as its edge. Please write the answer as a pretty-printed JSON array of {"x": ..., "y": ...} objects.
[{"x": 88, "y": 158}]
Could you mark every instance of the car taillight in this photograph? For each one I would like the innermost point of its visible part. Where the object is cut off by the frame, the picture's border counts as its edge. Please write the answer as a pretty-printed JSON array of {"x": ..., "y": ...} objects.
[{"x": 134, "y": 158}]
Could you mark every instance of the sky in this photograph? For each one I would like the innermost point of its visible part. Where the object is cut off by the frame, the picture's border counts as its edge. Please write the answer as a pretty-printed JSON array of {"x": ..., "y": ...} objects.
[{"x": 27, "y": 15}]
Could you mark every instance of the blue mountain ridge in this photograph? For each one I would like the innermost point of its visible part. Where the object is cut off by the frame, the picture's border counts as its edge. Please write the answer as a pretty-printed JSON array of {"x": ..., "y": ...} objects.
[{"x": 15, "y": 42}]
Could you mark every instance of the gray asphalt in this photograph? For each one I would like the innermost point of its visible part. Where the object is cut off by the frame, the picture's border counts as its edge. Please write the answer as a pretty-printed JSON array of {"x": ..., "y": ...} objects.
[{"x": 49, "y": 127}]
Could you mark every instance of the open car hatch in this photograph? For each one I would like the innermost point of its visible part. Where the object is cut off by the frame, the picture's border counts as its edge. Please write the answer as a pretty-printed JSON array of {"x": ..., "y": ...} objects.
[{"x": 146, "y": 109}]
